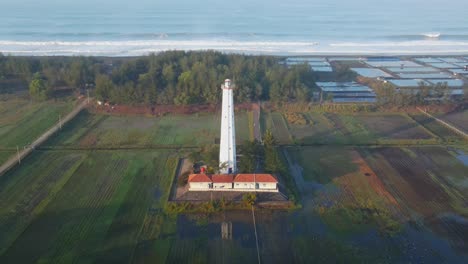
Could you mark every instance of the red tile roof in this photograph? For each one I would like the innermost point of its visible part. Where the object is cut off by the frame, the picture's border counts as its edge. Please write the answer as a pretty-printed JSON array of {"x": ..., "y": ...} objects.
[
  {"x": 226, "y": 178},
  {"x": 255, "y": 178},
  {"x": 222, "y": 178},
  {"x": 199, "y": 178}
]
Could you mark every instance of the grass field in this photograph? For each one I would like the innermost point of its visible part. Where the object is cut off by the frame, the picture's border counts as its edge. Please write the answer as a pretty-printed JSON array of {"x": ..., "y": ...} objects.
[
  {"x": 22, "y": 121},
  {"x": 83, "y": 206},
  {"x": 337, "y": 129},
  {"x": 436, "y": 128},
  {"x": 275, "y": 122},
  {"x": 90, "y": 130},
  {"x": 393, "y": 126},
  {"x": 5, "y": 155},
  {"x": 319, "y": 164},
  {"x": 319, "y": 129}
]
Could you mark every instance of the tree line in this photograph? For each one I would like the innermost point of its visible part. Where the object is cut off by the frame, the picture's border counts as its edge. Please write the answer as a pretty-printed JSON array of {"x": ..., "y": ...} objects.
[
  {"x": 194, "y": 77},
  {"x": 389, "y": 95},
  {"x": 172, "y": 77}
]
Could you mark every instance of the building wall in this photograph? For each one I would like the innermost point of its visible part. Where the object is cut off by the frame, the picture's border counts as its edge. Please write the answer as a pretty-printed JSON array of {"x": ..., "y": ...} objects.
[
  {"x": 199, "y": 185},
  {"x": 267, "y": 185},
  {"x": 223, "y": 185},
  {"x": 244, "y": 185}
]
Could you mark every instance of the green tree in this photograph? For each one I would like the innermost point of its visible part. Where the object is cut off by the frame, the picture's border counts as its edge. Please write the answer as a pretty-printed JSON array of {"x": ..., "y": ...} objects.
[
  {"x": 104, "y": 87},
  {"x": 273, "y": 163},
  {"x": 38, "y": 89},
  {"x": 249, "y": 199},
  {"x": 268, "y": 139},
  {"x": 80, "y": 72},
  {"x": 302, "y": 93}
]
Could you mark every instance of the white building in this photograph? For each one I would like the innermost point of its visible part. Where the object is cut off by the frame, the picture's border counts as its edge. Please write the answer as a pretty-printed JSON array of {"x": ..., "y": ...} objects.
[
  {"x": 227, "y": 148},
  {"x": 229, "y": 182},
  {"x": 222, "y": 181},
  {"x": 255, "y": 181},
  {"x": 199, "y": 182}
]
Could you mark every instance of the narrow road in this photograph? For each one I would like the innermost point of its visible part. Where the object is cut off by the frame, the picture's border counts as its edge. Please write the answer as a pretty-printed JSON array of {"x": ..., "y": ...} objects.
[
  {"x": 256, "y": 121},
  {"x": 22, "y": 154}
]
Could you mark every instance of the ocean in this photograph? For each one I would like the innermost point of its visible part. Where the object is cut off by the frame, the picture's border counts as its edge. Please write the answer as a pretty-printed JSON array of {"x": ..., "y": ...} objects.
[{"x": 278, "y": 27}]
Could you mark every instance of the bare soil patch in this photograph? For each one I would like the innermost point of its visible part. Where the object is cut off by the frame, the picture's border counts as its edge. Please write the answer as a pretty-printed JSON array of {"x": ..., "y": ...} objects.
[{"x": 161, "y": 110}]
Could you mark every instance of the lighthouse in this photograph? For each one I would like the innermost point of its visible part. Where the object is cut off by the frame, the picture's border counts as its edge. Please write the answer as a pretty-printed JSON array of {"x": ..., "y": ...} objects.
[{"x": 227, "y": 148}]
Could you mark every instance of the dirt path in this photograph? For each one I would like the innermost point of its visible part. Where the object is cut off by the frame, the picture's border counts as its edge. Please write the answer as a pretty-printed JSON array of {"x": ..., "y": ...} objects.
[
  {"x": 22, "y": 154},
  {"x": 444, "y": 123},
  {"x": 296, "y": 171},
  {"x": 184, "y": 166}
]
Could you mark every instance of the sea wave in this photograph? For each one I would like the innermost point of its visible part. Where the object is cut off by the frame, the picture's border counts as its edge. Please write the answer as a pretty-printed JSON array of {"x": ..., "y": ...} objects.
[
  {"x": 426, "y": 36},
  {"x": 143, "y": 47}
]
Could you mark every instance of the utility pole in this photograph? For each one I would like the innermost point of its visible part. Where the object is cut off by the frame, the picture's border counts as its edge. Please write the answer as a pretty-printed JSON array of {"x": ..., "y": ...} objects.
[
  {"x": 60, "y": 121},
  {"x": 17, "y": 152}
]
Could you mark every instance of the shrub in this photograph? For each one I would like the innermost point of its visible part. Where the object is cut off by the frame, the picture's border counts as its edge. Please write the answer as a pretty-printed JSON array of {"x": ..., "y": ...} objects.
[{"x": 296, "y": 118}]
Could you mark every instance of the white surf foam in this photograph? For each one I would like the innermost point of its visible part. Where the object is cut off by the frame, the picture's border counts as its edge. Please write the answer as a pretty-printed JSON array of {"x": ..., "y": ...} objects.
[
  {"x": 143, "y": 47},
  {"x": 432, "y": 35}
]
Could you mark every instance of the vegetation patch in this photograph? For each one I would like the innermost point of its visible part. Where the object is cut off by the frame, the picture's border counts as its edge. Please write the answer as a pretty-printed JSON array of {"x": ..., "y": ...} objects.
[
  {"x": 104, "y": 203},
  {"x": 323, "y": 164},
  {"x": 274, "y": 121},
  {"x": 444, "y": 133},
  {"x": 296, "y": 118},
  {"x": 23, "y": 121}
]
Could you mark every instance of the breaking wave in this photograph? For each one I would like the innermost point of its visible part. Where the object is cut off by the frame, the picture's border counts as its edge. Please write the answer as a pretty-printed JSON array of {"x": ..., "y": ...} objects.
[
  {"x": 432, "y": 35},
  {"x": 143, "y": 47}
]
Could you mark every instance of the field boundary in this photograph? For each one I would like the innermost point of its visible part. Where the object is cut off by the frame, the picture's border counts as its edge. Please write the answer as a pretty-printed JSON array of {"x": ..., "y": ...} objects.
[
  {"x": 412, "y": 119},
  {"x": 458, "y": 131},
  {"x": 173, "y": 187},
  {"x": 15, "y": 159}
]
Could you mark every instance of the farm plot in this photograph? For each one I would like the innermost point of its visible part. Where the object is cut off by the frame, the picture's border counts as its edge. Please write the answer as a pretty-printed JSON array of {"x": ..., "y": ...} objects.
[
  {"x": 428, "y": 183},
  {"x": 354, "y": 131},
  {"x": 458, "y": 119},
  {"x": 5, "y": 155},
  {"x": 350, "y": 189},
  {"x": 436, "y": 128},
  {"x": 97, "y": 214},
  {"x": 317, "y": 130},
  {"x": 21, "y": 121},
  {"x": 90, "y": 130},
  {"x": 393, "y": 127},
  {"x": 319, "y": 164},
  {"x": 275, "y": 122},
  {"x": 27, "y": 190},
  {"x": 426, "y": 179}
]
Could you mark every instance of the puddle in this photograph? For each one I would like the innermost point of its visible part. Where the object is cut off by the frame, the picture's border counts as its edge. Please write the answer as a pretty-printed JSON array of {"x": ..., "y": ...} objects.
[{"x": 462, "y": 157}]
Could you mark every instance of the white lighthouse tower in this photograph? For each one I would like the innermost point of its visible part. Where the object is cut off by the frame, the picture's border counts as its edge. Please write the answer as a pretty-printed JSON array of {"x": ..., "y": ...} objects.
[{"x": 227, "y": 148}]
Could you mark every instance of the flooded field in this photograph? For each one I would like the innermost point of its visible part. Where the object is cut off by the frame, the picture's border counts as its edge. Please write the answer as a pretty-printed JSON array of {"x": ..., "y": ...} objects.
[{"x": 375, "y": 205}]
